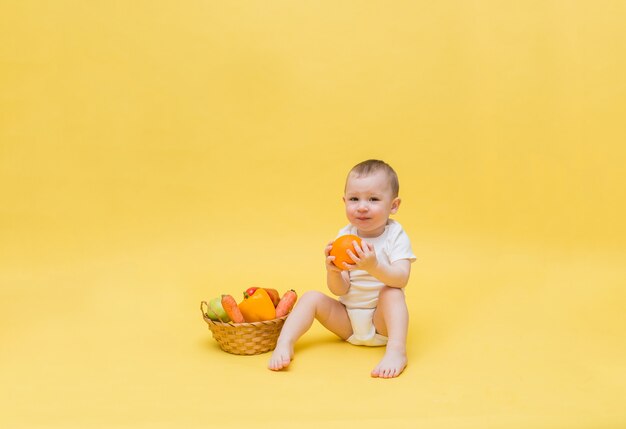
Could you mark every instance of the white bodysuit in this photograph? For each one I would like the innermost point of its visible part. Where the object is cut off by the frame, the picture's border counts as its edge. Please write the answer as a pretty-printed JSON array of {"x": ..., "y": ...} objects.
[{"x": 362, "y": 297}]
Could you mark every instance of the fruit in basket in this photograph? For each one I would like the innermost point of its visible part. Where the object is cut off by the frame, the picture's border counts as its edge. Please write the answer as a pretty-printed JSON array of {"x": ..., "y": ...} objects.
[
  {"x": 286, "y": 303},
  {"x": 232, "y": 309},
  {"x": 257, "y": 307},
  {"x": 340, "y": 247},
  {"x": 215, "y": 310}
]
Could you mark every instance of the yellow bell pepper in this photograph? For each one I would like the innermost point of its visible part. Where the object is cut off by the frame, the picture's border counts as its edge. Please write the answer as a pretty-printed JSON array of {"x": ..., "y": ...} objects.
[{"x": 257, "y": 307}]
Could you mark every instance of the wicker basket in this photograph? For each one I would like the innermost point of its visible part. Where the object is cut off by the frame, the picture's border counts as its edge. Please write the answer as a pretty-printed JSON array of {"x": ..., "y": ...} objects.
[{"x": 244, "y": 338}]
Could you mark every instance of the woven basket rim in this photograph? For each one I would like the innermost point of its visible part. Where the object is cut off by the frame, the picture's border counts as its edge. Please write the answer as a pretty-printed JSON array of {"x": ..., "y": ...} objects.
[{"x": 244, "y": 324}]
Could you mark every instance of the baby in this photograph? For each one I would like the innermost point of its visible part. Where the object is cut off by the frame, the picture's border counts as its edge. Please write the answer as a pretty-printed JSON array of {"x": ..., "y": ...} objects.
[{"x": 371, "y": 308}]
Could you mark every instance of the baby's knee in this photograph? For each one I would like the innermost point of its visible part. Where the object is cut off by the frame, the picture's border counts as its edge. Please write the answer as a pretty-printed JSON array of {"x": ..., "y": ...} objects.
[
  {"x": 310, "y": 300},
  {"x": 311, "y": 297}
]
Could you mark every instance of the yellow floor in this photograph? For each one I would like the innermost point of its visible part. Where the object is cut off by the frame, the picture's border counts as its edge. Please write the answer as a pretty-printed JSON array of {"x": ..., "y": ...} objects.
[
  {"x": 155, "y": 154},
  {"x": 500, "y": 336}
]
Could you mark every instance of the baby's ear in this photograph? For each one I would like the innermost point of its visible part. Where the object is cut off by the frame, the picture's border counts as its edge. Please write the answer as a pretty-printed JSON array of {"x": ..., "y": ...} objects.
[{"x": 395, "y": 205}]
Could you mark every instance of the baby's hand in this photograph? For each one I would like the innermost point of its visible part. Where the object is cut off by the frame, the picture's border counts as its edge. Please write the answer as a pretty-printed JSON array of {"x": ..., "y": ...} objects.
[
  {"x": 329, "y": 259},
  {"x": 365, "y": 257}
]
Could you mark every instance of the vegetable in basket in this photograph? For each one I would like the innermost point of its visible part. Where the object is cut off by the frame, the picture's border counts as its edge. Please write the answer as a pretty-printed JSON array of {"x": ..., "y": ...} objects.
[
  {"x": 286, "y": 303},
  {"x": 257, "y": 307},
  {"x": 231, "y": 308},
  {"x": 273, "y": 293}
]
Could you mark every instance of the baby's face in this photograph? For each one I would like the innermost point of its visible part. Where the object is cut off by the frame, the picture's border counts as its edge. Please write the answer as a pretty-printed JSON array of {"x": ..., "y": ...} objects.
[{"x": 369, "y": 203}]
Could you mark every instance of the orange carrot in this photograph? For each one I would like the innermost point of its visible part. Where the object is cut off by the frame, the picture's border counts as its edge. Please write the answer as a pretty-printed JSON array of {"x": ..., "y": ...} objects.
[
  {"x": 231, "y": 308},
  {"x": 286, "y": 303}
]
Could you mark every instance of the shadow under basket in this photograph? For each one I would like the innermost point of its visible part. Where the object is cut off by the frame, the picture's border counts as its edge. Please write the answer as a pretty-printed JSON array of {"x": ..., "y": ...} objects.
[{"x": 244, "y": 338}]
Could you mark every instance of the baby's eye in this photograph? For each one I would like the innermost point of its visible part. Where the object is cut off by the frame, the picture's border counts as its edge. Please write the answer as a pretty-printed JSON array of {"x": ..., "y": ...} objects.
[
  {"x": 374, "y": 199},
  {"x": 353, "y": 199}
]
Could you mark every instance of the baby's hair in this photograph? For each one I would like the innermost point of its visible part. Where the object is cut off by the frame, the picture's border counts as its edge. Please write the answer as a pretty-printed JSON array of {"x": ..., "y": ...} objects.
[{"x": 371, "y": 166}]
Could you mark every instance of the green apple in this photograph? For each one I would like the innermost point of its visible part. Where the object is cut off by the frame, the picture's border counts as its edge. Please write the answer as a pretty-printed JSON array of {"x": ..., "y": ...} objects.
[{"x": 216, "y": 312}]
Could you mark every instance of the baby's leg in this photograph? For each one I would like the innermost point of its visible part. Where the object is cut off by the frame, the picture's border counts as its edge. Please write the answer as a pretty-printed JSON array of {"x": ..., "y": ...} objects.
[
  {"x": 391, "y": 318},
  {"x": 312, "y": 305}
]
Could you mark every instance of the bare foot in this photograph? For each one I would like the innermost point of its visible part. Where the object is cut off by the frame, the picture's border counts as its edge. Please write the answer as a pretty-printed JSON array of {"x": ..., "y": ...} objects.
[
  {"x": 281, "y": 357},
  {"x": 392, "y": 364}
]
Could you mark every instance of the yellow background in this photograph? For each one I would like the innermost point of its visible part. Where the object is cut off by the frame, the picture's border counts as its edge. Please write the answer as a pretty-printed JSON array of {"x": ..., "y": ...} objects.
[{"x": 154, "y": 154}]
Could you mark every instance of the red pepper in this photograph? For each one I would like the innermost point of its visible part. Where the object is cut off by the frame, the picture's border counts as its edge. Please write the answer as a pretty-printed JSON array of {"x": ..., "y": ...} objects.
[{"x": 249, "y": 292}]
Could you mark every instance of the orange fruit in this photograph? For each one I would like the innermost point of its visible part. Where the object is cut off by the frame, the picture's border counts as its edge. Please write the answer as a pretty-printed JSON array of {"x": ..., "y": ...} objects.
[{"x": 340, "y": 245}]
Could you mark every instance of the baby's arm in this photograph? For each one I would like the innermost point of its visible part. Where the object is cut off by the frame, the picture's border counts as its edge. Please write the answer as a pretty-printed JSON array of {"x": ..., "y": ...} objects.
[
  {"x": 338, "y": 281},
  {"x": 395, "y": 274}
]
